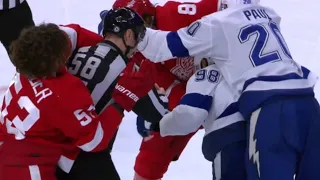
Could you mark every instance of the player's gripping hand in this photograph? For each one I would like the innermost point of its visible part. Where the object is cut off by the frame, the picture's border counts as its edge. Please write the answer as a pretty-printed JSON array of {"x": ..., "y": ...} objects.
[
  {"x": 143, "y": 127},
  {"x": 132, "y": 84}
]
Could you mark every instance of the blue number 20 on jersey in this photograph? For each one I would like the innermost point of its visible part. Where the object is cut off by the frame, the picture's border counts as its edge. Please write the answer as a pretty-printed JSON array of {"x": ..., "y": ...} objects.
[{"x": 257, "y": 56}]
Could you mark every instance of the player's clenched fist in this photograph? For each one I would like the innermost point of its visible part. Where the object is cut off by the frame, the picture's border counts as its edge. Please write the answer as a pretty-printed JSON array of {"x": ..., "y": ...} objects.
[{"x": 132, "y": 84}]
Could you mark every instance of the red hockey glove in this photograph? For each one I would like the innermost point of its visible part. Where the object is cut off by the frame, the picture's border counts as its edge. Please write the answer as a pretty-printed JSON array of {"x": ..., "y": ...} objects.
[{"x": 132, "y": 85}]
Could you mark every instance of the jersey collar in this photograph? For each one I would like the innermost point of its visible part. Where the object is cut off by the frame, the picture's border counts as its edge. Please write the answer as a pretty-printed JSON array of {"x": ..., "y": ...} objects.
[{"x": 115, "y": 47}]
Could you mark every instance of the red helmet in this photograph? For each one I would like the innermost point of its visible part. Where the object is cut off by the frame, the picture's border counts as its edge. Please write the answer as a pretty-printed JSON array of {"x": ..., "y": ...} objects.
[{"x": 142, "y": 7}]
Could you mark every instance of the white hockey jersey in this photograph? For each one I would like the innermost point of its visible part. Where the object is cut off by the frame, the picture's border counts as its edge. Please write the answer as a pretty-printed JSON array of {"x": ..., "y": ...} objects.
[
  {"x": 247, "y": 46},
  {"x": 208, "y": 101}
]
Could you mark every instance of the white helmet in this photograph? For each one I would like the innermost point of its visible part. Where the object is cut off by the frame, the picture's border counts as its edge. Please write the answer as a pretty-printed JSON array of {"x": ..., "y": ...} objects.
[{"x": 224, "y": 4}]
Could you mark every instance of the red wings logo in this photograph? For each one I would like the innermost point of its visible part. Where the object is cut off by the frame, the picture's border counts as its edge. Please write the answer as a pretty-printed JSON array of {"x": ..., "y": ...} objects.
[{"x": 184, "y": 68}]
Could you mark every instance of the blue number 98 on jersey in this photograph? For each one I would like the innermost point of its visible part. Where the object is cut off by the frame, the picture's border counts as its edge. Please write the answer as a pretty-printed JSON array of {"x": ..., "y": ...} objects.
[{"x": 210, "y": 75}]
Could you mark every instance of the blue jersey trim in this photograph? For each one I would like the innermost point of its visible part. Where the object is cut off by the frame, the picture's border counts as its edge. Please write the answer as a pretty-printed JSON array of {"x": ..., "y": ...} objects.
[
  {"x": 305, "y": 71},
  {"x": 197, "y": 100},
  {"x": 216, "y": 141},
  {"x": 252, "y": 100},
  {"x": 231, "y": 109},
  {"x": 289, "y": 76},
  {"x": 176, "y": 46}
]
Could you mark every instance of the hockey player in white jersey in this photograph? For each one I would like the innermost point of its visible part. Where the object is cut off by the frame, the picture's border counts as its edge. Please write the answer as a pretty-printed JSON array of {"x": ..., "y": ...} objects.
[
  {"x": 209, "y": 102},
  {"x": 275, "y": 93}
]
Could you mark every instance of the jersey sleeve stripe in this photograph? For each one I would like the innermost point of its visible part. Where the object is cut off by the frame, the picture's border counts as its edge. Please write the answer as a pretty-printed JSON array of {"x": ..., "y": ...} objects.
[
  {"x": 65, "y": 163},
  {"x": 95, "y": 141},
  {"x": 197, "y": 100},
  {"x": 34, "y": 172},
  {"x": 176, "y": 46},
  {"x": 289, "y": 76}
]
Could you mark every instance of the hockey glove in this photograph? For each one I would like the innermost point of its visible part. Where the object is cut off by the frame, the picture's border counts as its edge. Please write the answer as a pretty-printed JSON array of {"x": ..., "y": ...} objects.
[
  {"x": 143, "y": 127},
  {"x": 155, "y": 127},
  {"x": 132, "y": 85}
]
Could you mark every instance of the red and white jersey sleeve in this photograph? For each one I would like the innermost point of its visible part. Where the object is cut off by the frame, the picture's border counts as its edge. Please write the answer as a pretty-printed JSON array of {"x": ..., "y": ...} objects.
[
  {"x": 79, "y": 36},
  {"x": 182, "y": 14},
  {"x": 79, "y": 121}
]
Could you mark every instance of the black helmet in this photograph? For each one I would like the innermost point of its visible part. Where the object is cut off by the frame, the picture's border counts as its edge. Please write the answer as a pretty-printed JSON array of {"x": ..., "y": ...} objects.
[{"x": 118, "y": 21}]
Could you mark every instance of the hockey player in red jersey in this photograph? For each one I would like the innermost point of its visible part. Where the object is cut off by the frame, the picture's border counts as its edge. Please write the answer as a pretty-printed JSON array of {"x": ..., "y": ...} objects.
[
  {"x": 79, "y": 37},
  {"x": 111, "y": 56},
  {"x": 156, "y": 152},
  {"x": 47, "y": 111}
]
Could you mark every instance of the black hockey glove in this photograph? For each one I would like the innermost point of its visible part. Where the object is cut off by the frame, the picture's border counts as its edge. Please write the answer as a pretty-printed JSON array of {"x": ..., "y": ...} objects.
[{"x": 155, "y": 127}]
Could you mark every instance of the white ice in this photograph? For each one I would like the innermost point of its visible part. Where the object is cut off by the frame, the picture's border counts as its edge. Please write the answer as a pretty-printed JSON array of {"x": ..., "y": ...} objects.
[{"x": 300, "y": 26}]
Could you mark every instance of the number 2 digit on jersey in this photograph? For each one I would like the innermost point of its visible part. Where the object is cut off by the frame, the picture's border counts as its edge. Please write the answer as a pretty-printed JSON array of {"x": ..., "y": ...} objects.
[{"x": 257, "y": 56}]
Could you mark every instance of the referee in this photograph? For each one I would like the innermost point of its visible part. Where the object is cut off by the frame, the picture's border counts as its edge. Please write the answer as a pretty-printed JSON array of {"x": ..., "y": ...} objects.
[
  {"x": 14, "y": 16},
  {"x": 99, "y": 67}
]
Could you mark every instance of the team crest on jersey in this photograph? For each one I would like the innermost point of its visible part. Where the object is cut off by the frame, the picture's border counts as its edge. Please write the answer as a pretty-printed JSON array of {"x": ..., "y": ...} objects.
[{"x": 184, "y": 68}]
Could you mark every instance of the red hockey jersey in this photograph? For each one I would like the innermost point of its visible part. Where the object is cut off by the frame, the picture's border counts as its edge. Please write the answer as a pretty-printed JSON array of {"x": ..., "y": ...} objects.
[
  {"x": 170, "y": 17},
  {"x": 53, "y": 130},
  {"x": 43, "y": 118},
  {"x": 175, "y": 15},
  {"x": 180, "y": 15}
]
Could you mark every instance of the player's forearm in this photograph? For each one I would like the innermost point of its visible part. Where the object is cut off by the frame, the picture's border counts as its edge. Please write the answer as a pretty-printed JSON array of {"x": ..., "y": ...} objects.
[
  {"x": 80, "y": 36},
  {"x": 154, "y": 46},
  {"x": 182, "y": 120},
  {"x": 111, "y": 120},
  {"x": 108, "y": 123},
  {"x": 195, "y": 40}
]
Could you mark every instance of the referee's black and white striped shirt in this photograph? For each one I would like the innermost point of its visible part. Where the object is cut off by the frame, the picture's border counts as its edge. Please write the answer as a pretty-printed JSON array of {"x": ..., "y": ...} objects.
[
  {"x": 99, "y": 67},
  {"x": 9, "y": 4}
]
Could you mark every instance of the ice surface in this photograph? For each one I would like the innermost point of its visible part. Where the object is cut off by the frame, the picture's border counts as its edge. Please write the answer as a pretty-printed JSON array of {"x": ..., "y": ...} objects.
[{"x": 300, "y": 26}]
